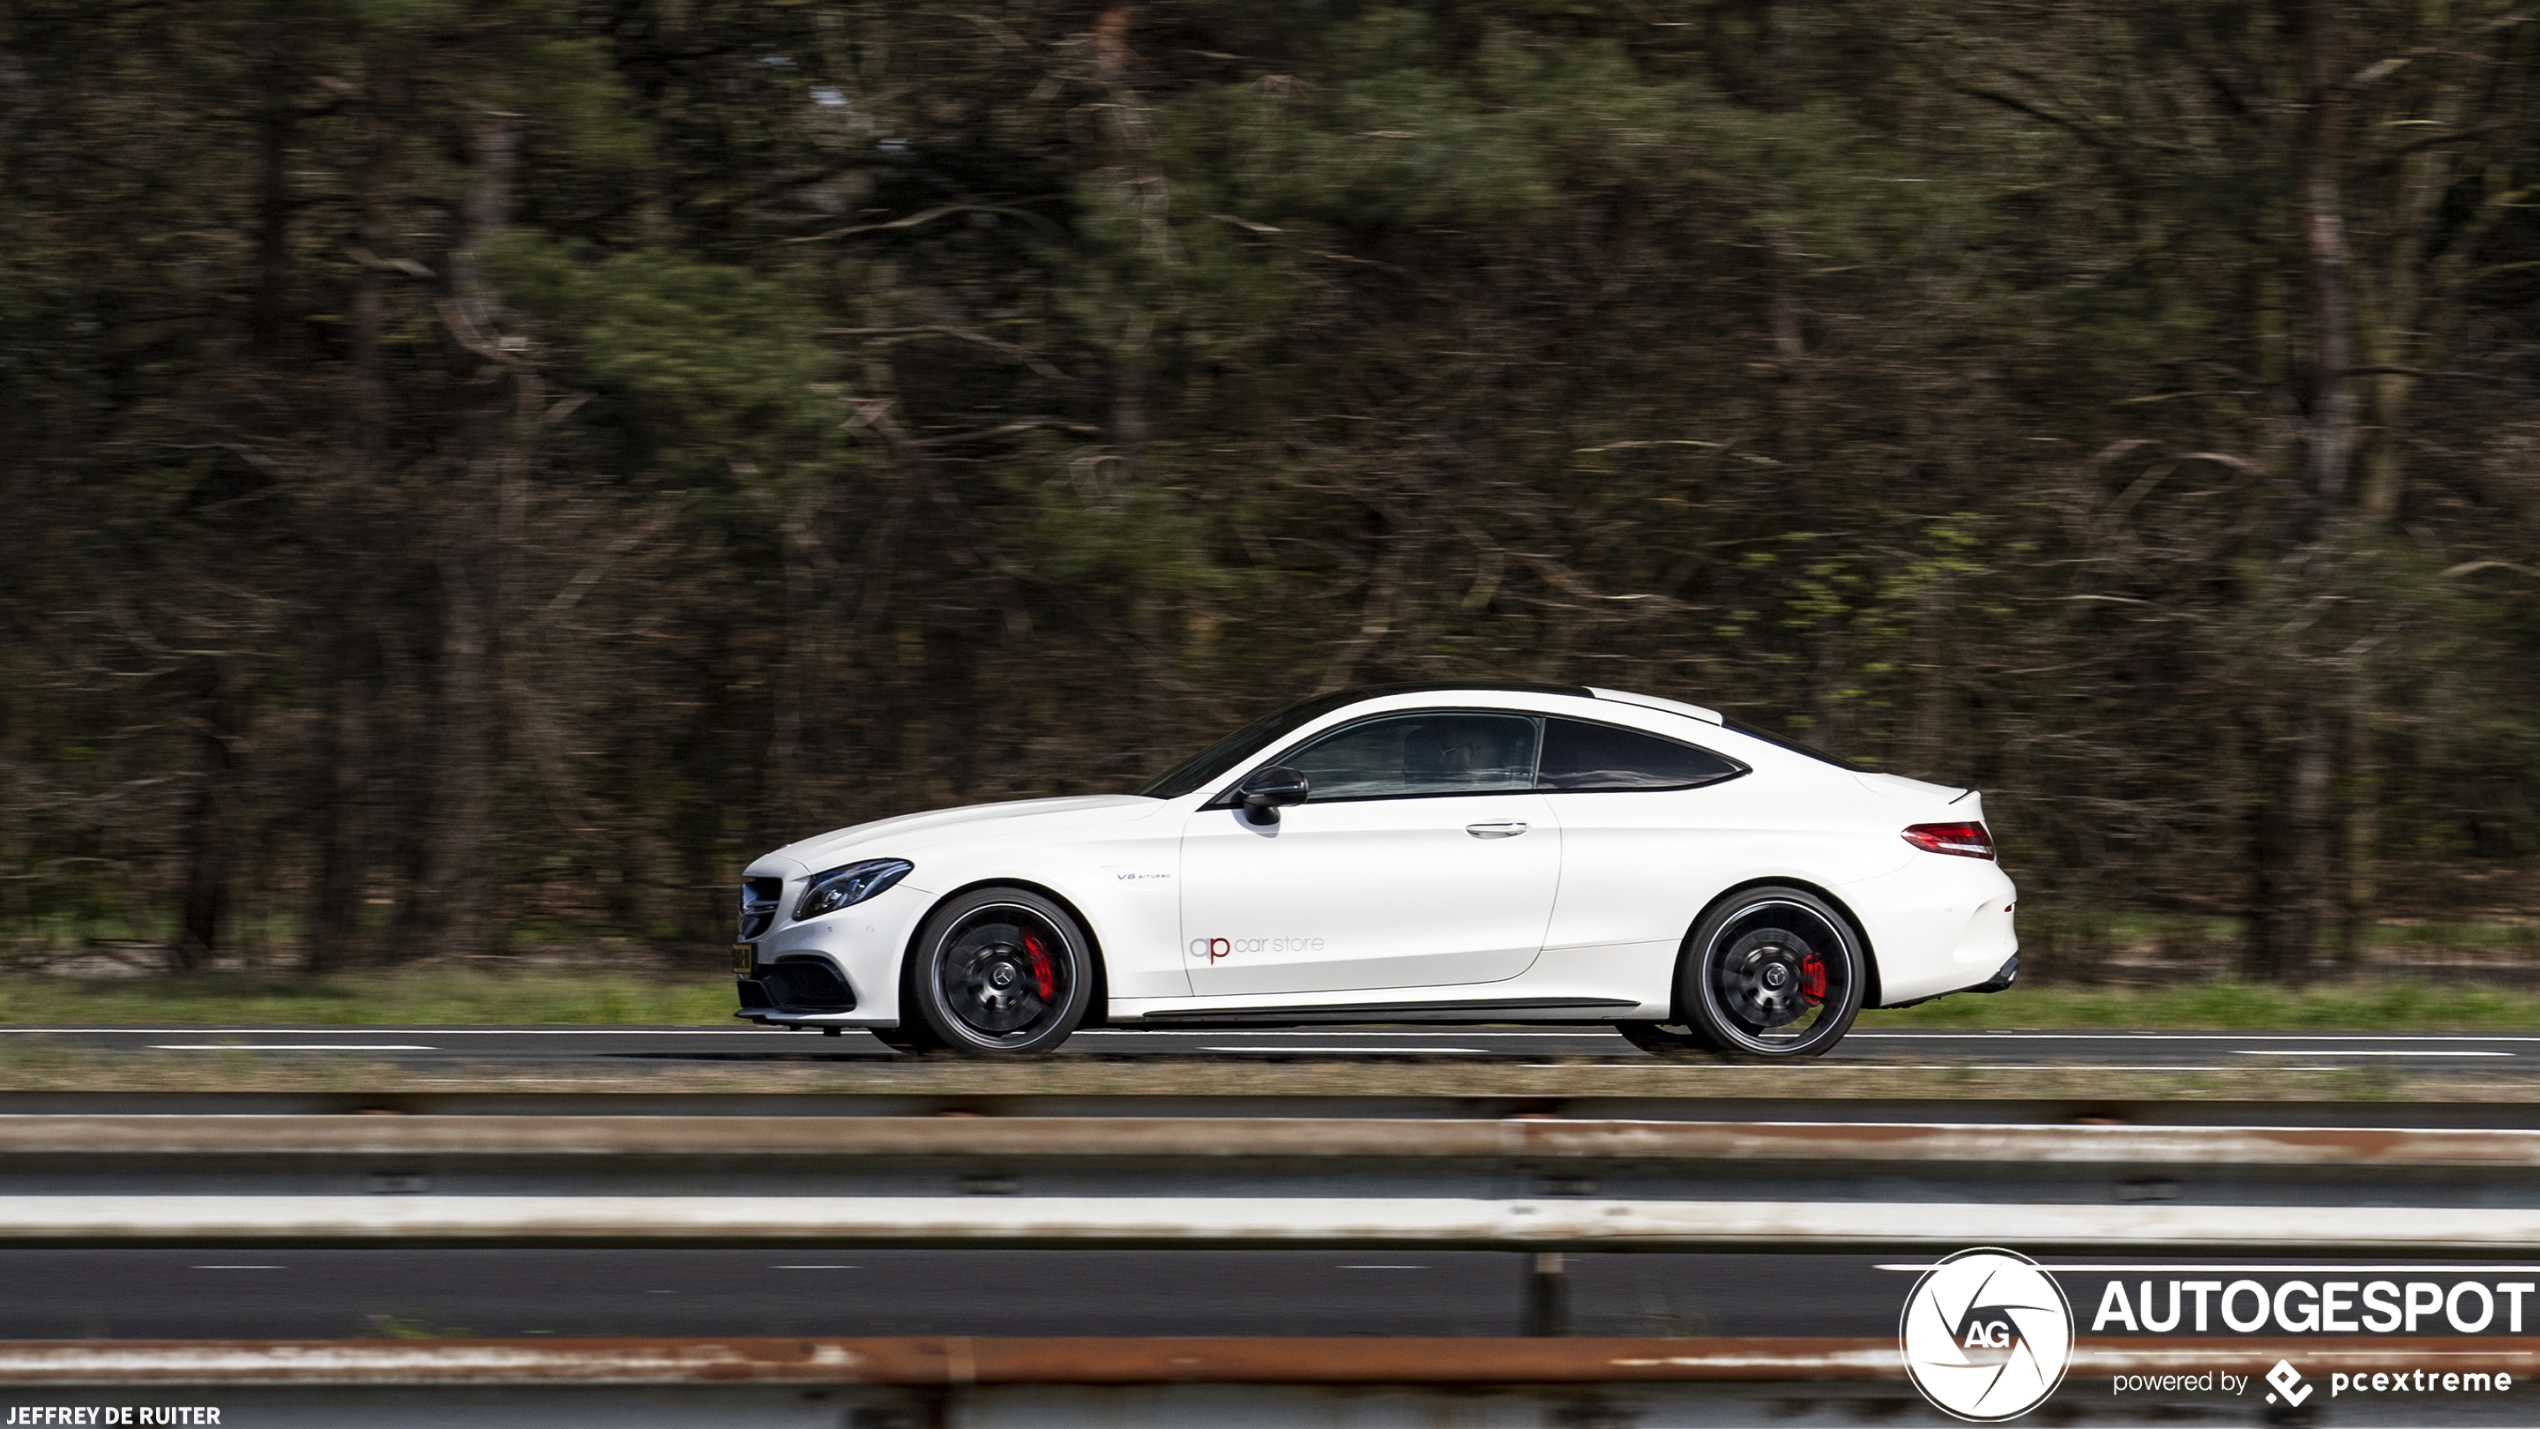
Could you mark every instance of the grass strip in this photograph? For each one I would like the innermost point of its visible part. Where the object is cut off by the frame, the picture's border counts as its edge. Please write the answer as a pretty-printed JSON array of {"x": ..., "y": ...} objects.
[
  {"x": 435, "y": 998},
  {"x": 575, "y": 998},
  {"x": 2232, "y": 1007}
]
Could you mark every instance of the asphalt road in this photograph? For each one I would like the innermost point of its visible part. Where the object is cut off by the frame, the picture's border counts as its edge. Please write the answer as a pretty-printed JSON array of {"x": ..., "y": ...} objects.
[
  {"x": 592, "y": 1048},
  {"x": 335, "y": 1294},
  {"x": 214, "y": 1294}
]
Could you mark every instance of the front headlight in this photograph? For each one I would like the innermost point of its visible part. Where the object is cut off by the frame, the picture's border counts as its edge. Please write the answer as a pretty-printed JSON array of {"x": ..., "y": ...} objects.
[{"x": 845, "y": 887}]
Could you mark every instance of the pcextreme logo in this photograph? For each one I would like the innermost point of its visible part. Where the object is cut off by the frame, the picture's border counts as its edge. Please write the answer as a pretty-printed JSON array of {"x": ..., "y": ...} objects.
[{"x": 1986, "y": 1335}]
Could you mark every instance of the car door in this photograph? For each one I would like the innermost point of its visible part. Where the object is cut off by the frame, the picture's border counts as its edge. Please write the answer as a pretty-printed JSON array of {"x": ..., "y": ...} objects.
[
  {"x": 1422, "y": 857},
  {"x": 1647, "y": 824}
]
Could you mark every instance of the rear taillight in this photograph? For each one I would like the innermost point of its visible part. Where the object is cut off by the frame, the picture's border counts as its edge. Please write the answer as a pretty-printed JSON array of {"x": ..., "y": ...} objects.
[{"x": 1964, "y": 840}]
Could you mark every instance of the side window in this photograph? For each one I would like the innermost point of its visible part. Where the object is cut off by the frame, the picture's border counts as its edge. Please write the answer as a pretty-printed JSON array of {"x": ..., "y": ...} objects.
[
  {"x": 1580, "y": 756},
  {"x": 1407, "y": 755}
]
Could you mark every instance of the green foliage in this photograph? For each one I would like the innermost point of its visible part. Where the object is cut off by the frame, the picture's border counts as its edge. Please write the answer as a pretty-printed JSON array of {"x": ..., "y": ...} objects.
[
  {"x": 851, "y": 408},
  {"x": 712, "y": 370}
]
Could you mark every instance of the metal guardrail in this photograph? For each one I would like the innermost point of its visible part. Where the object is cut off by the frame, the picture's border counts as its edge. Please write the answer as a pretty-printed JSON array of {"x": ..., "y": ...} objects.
[
  {"x": 2488, "y": 1111},
  {"x": 1540, "y": 1184},
  {"x": 1153, "y": 1384},
  {"x": 1215, "y": 1222},
  {"x": 954, "y": 1361},
  {"x": 1394, "y": 1139}
]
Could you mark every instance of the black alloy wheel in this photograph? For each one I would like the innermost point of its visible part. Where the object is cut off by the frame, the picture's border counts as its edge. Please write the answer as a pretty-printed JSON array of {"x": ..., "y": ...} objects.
[
  {"x": 1001, "y": 971},
  {"x": 1771, "y": 974}
]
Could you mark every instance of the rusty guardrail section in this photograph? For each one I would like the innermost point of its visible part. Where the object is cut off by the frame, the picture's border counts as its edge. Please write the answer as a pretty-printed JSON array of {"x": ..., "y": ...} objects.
[
  {"x": 1186, "y": 1138},
  {"x": 1197, "y": 1222},
  {"x": 958, "y": 1362}
]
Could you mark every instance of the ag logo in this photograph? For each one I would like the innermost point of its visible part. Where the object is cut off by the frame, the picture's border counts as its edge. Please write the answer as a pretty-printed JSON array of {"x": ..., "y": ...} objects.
[{"x": 1986, "y": 1335}]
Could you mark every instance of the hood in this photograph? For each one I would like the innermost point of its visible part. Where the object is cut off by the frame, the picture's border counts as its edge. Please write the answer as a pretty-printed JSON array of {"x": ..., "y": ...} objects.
[{"x": 898, "y": 837}]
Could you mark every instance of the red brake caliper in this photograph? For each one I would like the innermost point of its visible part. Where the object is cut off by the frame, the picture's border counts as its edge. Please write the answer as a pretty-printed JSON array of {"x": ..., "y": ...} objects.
[
  {"x": 1812, "y": 978},
  {"x": 1046, "y": 978}
]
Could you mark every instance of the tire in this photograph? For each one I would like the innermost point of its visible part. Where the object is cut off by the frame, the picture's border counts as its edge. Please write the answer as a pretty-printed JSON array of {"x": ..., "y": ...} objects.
[
  {"x": 1773, "y": 974},
  {"x": 1000, "y": 972},
  {"x": 909, "y": 1039},
  {"x": 1673, "y": 1041}
]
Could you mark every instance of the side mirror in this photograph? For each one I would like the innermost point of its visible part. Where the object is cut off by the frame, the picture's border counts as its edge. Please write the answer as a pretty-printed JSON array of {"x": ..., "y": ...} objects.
[{"x": 1270, "y": 790}]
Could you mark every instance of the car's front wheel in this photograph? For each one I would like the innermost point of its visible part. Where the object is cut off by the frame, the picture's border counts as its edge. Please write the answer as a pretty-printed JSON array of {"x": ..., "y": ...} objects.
[
  {"x": 1772, "y": 973},
  {"x": 909, "y": 1039},
  {"x": 1001, "y": 971}
]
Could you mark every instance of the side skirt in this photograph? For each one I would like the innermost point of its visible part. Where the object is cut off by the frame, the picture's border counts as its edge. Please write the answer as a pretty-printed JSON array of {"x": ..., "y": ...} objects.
[{"x": 1559, "y": 1009}]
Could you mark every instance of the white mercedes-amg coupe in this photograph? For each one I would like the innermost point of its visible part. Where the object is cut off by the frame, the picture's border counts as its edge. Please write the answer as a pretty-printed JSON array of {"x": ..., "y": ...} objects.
[{"x": 1408, "y": 853}]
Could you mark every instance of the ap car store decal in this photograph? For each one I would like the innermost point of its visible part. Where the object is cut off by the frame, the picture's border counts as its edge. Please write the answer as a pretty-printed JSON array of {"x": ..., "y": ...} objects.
[{"x": 1988, "y": 1335}]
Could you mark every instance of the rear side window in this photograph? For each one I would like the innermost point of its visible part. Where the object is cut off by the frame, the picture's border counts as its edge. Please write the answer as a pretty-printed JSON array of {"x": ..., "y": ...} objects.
[{"x": 1580, "y": 757}]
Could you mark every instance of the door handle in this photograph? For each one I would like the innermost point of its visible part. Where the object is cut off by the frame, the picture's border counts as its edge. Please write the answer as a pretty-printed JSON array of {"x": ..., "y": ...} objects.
[{"x": 1505, "y": 830}]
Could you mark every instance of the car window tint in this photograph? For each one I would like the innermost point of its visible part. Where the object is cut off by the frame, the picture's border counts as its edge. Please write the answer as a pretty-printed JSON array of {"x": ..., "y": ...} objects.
[
  {"x": 1225, "y": 754},
  {"x": 1421, "y": 754},
  {"x": 1581, "y": 756}
]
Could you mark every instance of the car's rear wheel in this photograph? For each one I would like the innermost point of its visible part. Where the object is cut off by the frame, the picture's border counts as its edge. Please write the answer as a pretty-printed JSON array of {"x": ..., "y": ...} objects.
[
  {"x": 1772, "y": 974},
  {"x": 1001, "y": 971},
  {"x": 1667, "y": 1039}
]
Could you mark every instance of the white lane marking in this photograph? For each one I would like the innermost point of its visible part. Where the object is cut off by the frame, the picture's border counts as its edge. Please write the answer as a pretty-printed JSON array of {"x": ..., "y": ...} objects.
[
  {"x": 819, "y": 1267},
  {"x": 1384, "y": 1267},
  {"x": 1979, "y": 1035},
  {"x": 290, "y": 1047},
  {"x": 1339, "y": 1034},
  {"x": 1594, "y": 1031},
  {"x": 429, "y": 1031},
  {"x": 242, "y": 1267},
  {"x": 1659, "y": 1064},
  {"x": 2355, "y": 1052},
  {"x": 1467, "y": 1051}
]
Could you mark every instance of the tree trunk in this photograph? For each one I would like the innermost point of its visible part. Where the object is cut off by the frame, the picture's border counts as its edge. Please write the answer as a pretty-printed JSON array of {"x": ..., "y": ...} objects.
[
  {"x": 1795, "y": 443},
  {"x": 455, "y": 900},
  {"x": 269, "y": 310},
  {"x": 343, "y": 831},
  {"x": 346, "y": 737},
  {"x": 2358, "y": 912},
  {"x": 209, "y": 835},
  {"x": 2293, "y": 887},
  {"x": 377, "y": 233}
]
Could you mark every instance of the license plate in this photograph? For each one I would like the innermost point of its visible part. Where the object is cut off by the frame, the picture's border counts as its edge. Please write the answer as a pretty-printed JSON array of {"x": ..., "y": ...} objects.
[{"x": 743, "y": 954}]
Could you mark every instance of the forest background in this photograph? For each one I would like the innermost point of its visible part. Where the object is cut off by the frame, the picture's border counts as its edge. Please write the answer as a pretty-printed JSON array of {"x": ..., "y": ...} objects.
[{"x": 478, "y": 471}]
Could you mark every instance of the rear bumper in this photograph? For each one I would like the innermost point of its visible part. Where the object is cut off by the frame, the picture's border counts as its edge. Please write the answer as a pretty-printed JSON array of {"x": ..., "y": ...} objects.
[
  {"x": 1939, "y": 924},
  {"x": 2008, "y": 974}
]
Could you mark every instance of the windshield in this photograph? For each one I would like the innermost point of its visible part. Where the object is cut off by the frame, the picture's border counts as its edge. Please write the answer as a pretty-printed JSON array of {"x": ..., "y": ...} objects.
[{"x": 1213, "y": 762}]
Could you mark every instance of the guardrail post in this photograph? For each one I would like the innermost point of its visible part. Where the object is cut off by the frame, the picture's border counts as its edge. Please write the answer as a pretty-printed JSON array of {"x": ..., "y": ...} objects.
[{"x": 1548, "y": 1295}]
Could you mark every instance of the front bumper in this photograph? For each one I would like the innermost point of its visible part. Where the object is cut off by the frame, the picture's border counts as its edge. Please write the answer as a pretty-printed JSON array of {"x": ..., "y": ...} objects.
[
  {"x": 798, "y": 984},
  {"x": 841, "y": 969}
]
